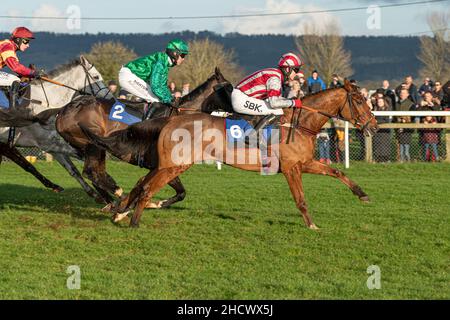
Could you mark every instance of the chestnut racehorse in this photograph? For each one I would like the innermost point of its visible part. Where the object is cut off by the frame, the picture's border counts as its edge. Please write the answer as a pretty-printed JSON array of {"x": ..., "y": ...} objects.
[
  {"x": 93, "y": 113},
  {"x": 295, "y": 155}
]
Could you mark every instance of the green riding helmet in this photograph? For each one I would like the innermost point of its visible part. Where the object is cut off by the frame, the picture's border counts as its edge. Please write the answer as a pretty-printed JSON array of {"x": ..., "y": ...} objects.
[{"x": 176, "y": 48}]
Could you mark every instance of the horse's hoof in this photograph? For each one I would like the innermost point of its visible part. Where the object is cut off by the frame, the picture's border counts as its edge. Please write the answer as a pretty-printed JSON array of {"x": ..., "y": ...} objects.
[
  {"x": 107, "y": 208},
  {"x": 157, "y": 205},
  {"x": 164, "y": 204},
  {"x": 58, "y": 189},
  {"x": 119, "y": 216},
  {"x": 313, "y": 227},
  {"x": 365, "y": 199},
  {"x": 134, "y": 224},
  {"x": 118, "y": 193}
]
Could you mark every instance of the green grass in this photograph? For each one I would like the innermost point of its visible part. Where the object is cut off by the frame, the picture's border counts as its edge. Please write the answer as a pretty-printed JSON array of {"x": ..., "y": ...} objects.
[{"x": 237, "y": 235}]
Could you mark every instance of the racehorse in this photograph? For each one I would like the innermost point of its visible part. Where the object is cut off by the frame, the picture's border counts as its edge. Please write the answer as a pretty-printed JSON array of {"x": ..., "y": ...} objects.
[
  {"x": 295, "y": 155},
  {"x": 36, "y": 114},
  {"x": 94, "y": 114}
]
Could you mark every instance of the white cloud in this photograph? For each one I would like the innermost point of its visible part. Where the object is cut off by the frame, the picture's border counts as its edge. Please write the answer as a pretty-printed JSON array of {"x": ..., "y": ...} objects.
[
  {"x": 284, "y": 24},
  {"x": 8, "y": 25},
  {"x": 53, "y": 25}
]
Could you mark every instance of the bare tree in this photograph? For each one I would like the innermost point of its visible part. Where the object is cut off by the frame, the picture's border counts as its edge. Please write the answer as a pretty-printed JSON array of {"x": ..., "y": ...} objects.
[
  {"x": 109, "y": 56},
  {"x": 323, "y": 49},
  {"x": 204, "y": 56},
  {"x": 435, "y": 51}
]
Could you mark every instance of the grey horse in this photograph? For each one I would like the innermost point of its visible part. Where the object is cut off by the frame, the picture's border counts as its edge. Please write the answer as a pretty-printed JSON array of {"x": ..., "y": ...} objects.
[{"x": 80, "y": 77}]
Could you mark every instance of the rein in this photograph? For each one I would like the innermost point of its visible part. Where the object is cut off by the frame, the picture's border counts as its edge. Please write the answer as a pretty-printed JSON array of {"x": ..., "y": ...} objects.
[
  {"x": 87, "y": 80},
  {"x": 60, "y": 84},
  {"x": 338, "y": 116}
]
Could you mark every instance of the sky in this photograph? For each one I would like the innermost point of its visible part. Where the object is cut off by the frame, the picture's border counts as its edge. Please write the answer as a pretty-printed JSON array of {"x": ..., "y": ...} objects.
[{"x": 407, "y": 20}]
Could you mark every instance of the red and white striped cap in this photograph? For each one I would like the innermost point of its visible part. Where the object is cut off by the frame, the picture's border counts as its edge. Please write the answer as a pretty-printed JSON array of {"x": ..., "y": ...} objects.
[{"x": 289, "y": 60}]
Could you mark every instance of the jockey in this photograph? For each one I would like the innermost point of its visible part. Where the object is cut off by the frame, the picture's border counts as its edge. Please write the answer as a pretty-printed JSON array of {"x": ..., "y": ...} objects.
[
  {"x": 261, "y": 92},
  {"x": 146, "y": 77},
  {"x": 19, "y": 41}
]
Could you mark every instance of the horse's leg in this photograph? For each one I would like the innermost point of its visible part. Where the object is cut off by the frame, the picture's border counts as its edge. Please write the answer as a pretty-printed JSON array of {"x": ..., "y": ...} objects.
[
  {"x": 294, "y": 179},
  {"x": 106, "y": 181},
  {"x": 180, "y": 195},
  {"x": 67, "y": 163},
  {"x": 151, "y": 185},
  {"x": 124, "y": 205},
  {"x": 92, "y": 164},
  {"x": 13, "y": 154},
  {"x": 316, "y": 167}
]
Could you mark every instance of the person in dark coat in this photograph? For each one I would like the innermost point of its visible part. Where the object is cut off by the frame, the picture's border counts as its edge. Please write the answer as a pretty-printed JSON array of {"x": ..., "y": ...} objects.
[
  {"x": 388, "y": 93},
  {"x": 426, "y": 86},
  {"x": 335, "y": 83},
  {"x": 430, "y": 140},
  {"x": 438, "y": 93},
  {"x": 445, "y": 103},
  {"x": 412, "y": 89},
  {"x": 381, "y": 143},
  {"x": 403, "y": 135}
]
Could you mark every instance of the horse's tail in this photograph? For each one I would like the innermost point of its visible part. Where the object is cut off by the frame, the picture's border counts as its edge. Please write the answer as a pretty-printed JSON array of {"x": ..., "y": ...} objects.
[
  {"x": 129, "y": 143},
  {"x": 106, "y": 143},
  {"x": 44, "y": 116},
  {"x": 22, "y": 117}
]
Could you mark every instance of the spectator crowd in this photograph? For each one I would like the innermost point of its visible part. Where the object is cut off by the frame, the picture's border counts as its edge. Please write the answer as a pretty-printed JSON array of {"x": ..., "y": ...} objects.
[{"x": 429, "y": 96}]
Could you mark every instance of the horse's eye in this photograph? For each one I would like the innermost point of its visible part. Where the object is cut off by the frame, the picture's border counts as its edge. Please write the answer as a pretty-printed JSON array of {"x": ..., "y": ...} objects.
[{"x": 96, "y": 78}]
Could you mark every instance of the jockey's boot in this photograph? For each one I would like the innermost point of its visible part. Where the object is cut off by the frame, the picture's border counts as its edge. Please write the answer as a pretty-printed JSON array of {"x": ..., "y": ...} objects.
[
  {"x": 267, "y": 120},
  {"x": 14, "y": 94},
  {"x": 150, "y": 111}
]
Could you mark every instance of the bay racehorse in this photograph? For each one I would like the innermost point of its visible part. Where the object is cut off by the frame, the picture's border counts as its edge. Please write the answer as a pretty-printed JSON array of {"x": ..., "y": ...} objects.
[
  {"x": 295, "y": 153},
  {"x": 94, "y": 114},
  {"x": 34, "y": 118}
]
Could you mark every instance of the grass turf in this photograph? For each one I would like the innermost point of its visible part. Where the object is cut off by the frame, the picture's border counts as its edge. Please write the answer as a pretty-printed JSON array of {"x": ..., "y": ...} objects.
[{"x": 237, "y": 235}]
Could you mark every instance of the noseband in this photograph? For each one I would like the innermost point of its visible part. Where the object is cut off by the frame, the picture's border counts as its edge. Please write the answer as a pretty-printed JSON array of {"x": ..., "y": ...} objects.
[
  {"x": 361, "y": 120},
  {"x": 87, "y": 80}
]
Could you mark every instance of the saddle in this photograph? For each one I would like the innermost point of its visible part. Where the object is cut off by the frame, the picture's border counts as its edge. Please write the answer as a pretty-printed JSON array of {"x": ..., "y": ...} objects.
[
  {"x": 223, "y": 95},
  {"x": 135, "y": 106},
  {"x": 261, "y": 131},
  {"x": 131, "y": 112}
]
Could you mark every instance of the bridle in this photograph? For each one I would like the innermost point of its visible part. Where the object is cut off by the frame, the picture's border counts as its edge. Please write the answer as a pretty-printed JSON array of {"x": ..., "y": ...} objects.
[
  {"x": 179, "y": 108},
  {"x": 88, "y": 80},
  {"x": 361, "y": 121}
]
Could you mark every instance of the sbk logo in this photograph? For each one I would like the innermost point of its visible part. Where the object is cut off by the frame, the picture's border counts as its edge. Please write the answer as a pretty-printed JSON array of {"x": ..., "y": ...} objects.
[{"x": 252, "y": 106}]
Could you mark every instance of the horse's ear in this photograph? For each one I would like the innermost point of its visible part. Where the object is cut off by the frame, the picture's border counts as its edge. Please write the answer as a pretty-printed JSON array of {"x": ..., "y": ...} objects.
[
  {"x": 347, "y": 85},
  {"x": 217, "y": 71},
  {"x": 84, "y": 61}
]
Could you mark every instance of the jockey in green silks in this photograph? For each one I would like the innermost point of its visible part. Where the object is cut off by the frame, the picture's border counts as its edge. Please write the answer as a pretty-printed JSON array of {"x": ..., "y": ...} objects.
[{"x": 146, "y": 77}]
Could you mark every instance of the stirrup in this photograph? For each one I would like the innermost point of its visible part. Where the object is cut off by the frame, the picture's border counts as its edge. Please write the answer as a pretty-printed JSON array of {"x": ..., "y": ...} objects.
[{"x": 267, "y": 120}]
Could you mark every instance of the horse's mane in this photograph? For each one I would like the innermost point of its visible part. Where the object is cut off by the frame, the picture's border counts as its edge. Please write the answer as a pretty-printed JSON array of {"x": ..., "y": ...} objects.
[
  {"x": 197, "y": 91},
  {"x": 64, "y": 68},
  {"x": 316, "y": 94}
]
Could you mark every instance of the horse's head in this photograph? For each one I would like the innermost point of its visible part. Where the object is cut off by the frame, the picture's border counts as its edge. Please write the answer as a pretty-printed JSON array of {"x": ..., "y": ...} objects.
[
  {"x": 357, "y": 111},
  {"x": 199, "y": 99},
  {"x": 93, "y": 81}
]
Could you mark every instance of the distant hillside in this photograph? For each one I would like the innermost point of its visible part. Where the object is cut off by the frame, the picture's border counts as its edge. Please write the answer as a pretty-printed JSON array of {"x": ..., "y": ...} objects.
[{"x": 374, "y": 58}]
